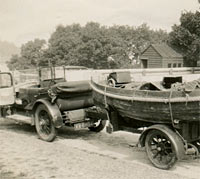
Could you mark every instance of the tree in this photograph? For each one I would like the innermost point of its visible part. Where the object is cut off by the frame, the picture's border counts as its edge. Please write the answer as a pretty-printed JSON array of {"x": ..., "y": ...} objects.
[
  {"x": 186, "y": 37},
  {"x": 92, "y": 45},
  {"x": 31, "y": 55},
  {"x": 14, "y": 62},
  {"x": 63, "y": 45},
  {"x": 129, "y": 42}
]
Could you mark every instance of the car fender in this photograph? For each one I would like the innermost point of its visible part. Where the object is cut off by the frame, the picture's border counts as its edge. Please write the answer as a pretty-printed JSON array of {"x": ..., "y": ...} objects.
[
  {"x": 173, "y": 136},
  {"x": 53, "y": 110}
]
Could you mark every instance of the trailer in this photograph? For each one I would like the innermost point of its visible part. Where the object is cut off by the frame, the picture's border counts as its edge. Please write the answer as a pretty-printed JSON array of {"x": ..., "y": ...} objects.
[{"x": 168, "y": 111}]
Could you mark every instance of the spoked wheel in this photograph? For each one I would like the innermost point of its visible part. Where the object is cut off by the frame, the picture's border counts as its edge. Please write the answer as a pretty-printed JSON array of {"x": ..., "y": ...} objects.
[
  {"x": 44, "y": 124},
  {"x": 98, "y": 126},
  {"x": 160, "y": 149}
]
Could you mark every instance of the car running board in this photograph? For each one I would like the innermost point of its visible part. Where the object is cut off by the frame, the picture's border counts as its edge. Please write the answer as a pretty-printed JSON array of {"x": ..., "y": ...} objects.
[{"x": 20, "y": 118}]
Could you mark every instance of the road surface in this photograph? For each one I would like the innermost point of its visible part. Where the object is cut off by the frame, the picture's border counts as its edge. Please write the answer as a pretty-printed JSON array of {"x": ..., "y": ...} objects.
[{"x": 80, "y": 154}]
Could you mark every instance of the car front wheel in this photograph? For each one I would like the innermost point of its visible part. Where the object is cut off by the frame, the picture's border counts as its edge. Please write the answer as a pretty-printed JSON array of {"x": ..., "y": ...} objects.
[{"x": 44, "y": 124}]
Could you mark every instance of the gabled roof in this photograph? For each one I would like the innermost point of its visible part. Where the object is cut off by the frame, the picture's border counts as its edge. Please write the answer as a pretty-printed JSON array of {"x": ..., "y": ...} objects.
[{"x": 165, "y": 51}]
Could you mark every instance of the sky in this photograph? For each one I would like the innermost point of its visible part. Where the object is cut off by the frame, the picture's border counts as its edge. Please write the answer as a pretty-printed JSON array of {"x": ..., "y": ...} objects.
[{"x": 24, "y": 20}]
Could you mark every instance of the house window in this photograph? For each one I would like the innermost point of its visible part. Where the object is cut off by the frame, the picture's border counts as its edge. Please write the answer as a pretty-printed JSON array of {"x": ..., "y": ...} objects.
[
  {"x": 169, "y": 65},
  {"x": 174, "y": 65},
  {"x": 179, "y": 65}
]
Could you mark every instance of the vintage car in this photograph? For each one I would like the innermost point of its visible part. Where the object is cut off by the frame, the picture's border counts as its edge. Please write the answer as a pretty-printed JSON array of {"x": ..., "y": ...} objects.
[{"x": 50, "y": 103}]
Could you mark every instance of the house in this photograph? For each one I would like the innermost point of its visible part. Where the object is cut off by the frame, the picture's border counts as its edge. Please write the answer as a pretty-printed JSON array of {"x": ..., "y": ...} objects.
[{"x": 160, "y": 56}]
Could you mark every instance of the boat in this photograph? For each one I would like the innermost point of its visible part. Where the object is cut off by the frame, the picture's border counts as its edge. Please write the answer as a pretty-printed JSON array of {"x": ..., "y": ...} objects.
[
  {"x": 149, "y": 102},
  {"x": 168, "y": 111}
]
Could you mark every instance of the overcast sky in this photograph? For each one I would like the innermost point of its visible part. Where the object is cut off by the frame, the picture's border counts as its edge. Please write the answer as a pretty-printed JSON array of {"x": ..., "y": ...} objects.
[{"x": 23, "y": 20}]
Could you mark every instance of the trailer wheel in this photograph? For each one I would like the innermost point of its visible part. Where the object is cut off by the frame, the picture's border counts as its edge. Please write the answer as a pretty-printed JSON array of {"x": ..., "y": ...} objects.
[
  {"x": 98, "y": 126},
  {"x": 160, "y": 149},
  {"x": 44, "y": 124}
]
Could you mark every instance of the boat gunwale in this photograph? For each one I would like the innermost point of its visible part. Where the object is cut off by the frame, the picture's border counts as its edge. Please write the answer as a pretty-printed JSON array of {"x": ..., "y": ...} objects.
[{"x": 170, "y": 99}]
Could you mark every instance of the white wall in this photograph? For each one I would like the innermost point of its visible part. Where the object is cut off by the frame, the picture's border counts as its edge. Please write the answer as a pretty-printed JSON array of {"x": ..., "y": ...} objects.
[{"x": 156, "y": 74}]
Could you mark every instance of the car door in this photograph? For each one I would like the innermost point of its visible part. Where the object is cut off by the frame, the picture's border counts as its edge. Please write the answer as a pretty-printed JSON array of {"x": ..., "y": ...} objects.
[{"x": 7, "y": 94}]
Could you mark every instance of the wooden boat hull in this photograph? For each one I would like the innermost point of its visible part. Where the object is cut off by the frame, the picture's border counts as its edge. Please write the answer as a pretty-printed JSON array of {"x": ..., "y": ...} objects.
[{"x": 149, "y": 106}]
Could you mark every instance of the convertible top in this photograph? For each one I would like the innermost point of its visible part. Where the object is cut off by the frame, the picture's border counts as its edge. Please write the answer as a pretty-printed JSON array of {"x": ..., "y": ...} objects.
[{"x": 71, "y": 88}]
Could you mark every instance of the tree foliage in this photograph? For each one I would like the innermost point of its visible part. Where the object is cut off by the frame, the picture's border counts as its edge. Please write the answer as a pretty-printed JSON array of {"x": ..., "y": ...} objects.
[
  {"x": 186, "y": 37},
  {"x": 92, "y": 45},
  {"x": 31, "y": 55}
]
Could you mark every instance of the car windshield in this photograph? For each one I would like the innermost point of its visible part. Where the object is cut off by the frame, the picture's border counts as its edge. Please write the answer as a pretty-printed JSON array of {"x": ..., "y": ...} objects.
[
  {"x": 52, "y": 73},
  {"x": 58, "y": 72}
]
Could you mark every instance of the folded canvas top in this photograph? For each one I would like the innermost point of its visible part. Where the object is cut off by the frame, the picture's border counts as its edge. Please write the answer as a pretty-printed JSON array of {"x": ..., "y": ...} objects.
[{"x": 73, "y": 87}]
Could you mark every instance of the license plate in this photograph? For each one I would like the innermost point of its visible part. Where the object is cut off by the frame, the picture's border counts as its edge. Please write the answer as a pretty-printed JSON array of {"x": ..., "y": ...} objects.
[{"x": 82, "y": 125}]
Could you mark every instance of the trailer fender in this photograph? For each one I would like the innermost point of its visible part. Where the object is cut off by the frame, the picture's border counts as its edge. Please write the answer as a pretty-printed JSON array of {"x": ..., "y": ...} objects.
[
  {"x": 173, "y": 136},
  {"x": 53, "y": 110}
]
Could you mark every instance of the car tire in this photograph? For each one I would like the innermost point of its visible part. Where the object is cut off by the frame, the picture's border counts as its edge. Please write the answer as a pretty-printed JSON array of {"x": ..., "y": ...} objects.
[{"x": 44, "y": 124}]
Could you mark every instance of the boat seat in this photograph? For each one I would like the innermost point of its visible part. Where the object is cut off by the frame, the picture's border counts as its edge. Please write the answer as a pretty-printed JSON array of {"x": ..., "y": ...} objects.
[{"x": 154, "y": 86}]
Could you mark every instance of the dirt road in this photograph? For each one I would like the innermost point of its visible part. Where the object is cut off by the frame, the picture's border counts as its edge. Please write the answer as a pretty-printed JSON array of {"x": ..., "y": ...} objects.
[{"x": 79, "y": 154}]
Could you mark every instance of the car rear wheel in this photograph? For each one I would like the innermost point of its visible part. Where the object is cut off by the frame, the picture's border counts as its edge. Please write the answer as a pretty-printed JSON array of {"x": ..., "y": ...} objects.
[{"x": 44, "y": 124}]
